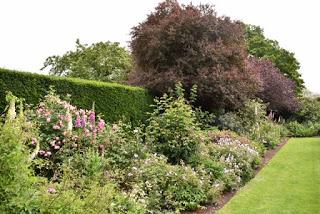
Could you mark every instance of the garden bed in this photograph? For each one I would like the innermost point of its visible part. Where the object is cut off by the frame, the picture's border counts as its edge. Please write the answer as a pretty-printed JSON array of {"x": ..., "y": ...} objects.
[{"x": 226, "y": 197}]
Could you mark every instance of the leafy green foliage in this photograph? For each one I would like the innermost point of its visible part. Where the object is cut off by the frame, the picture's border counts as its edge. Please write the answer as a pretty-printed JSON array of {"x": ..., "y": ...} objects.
[
  {"x": 67, "y": 197},
  {"x": 309, "y": 110},
  {"x": 113, "y": 101},
  {"x": 251, "y": 121},
  {"x": 104, "y": 61},
  {"x": 121, "y": 145},
  {"x": 262, "y": 47},
  {"x": 306, "y": 129},
  {"x": 115, "y": 168},
  {"x": 306, "y": 121},
  {"x": 16, "y": 180},
  {"x": 269, "y": 134},
  {"x": 172, "y": 128},
  {"x": 167, "y": 187}
]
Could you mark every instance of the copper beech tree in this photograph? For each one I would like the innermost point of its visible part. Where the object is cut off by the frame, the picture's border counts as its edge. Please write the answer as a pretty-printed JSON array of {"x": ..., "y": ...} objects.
[
  {"x": 276, "y": 89},
  {"x": 192, "y": 45}
]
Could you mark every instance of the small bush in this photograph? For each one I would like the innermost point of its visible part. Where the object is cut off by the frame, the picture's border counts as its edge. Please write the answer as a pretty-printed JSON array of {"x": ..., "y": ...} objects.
[
  {"x": 16, "y": 178},
  {"x": 231, "y": 121},
  {"x": 269, "y": 134},
  {"x": 59, "y": 198},
  {"x": 172, "y": 128},
  {"x": 166, "y": 187},
  {"x": 240, "y": 157},
  {"x": 64, "y": 130},
  {"x": 121, "y": 145},
  {"x": 226, "y": 160},
  {"x": 297, "y": 129},
  {"x": 251, "y": 120}
]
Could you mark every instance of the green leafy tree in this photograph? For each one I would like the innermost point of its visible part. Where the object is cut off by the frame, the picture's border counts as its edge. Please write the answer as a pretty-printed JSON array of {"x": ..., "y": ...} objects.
[
  {"x": 285, "y": 61},
  {"x": 104, "y": 61}
]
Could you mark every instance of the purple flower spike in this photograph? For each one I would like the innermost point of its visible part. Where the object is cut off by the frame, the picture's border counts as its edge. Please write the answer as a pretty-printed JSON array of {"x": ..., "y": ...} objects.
[
  {"x": 84, "y": 121},
  {"x": 92, "y": 117},
  {"x": 78, "y": 122}
]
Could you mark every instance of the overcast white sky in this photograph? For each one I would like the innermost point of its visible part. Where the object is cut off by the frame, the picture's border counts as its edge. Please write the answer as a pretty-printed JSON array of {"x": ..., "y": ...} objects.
[{"x": 32, "y": 30}]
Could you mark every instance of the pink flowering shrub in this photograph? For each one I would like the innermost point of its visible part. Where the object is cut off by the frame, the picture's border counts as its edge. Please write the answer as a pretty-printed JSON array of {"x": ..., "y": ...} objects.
[{"x": 64, "y": 128}]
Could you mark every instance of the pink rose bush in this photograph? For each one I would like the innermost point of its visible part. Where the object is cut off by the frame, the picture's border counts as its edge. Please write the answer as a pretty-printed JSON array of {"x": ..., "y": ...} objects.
[{"x": 63, "y": 125}]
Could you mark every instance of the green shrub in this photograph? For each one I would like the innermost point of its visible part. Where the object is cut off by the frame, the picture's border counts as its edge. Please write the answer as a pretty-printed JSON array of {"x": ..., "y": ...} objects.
[
  {"x": 61, "y": 198},
  {"x": 251, "y": 120},
  {"x": 305, "y": 122},
  {"x": 87, "y": 165},
  {"x": 16, "y": 179},
  {"x": 309, "y": 110},
  {"x": 308, "y": 129},
  {"x": 166, "y": 187},
  {"x": 122, "y": 146},
  {"x": 269, "y": 134},
  {"x": 113, "y": 100},
  {"x": 172, "y": 128},
  {"x": 231, "y": 121},
  {"x": 81, "y": 187}
]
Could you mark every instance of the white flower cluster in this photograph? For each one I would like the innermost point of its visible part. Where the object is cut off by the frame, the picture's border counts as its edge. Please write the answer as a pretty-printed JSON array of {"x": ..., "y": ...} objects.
[{"x": 237, "y": 156}]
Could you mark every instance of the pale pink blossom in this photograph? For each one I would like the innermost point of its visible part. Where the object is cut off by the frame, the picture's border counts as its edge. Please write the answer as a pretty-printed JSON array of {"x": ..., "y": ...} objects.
[
  {"x": 56, "y": 127},
  {"x": 51, "y": 190},
  {"x": 34, "y": 141},
  {"x": 101, "y": 125}
]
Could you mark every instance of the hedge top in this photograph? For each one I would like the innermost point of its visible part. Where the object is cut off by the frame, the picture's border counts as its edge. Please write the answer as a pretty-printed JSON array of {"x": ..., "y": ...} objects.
[{"x": 114, "y": 101}]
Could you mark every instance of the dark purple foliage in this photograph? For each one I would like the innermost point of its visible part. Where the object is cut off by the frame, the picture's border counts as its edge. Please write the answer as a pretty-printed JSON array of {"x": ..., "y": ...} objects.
[
  {"x": 191, "y": 44},
  {"x": 276, "y": 89}
]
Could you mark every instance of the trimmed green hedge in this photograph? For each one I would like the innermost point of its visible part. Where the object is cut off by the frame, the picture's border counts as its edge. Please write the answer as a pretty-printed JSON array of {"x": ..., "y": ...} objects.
[{"x": 113, "y": 100}]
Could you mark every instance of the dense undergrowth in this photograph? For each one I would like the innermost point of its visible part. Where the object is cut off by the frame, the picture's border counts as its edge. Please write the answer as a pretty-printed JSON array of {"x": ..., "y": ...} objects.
[{"x": 59, "y": 158}]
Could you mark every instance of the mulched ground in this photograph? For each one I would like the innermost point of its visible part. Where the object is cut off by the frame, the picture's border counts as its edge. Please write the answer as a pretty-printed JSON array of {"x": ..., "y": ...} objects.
[{"x": 211, "y": 209}]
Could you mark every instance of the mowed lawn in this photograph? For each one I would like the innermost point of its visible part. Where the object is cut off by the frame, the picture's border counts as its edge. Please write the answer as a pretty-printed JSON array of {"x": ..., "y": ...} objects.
[{"x": 290, "y": 183}]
